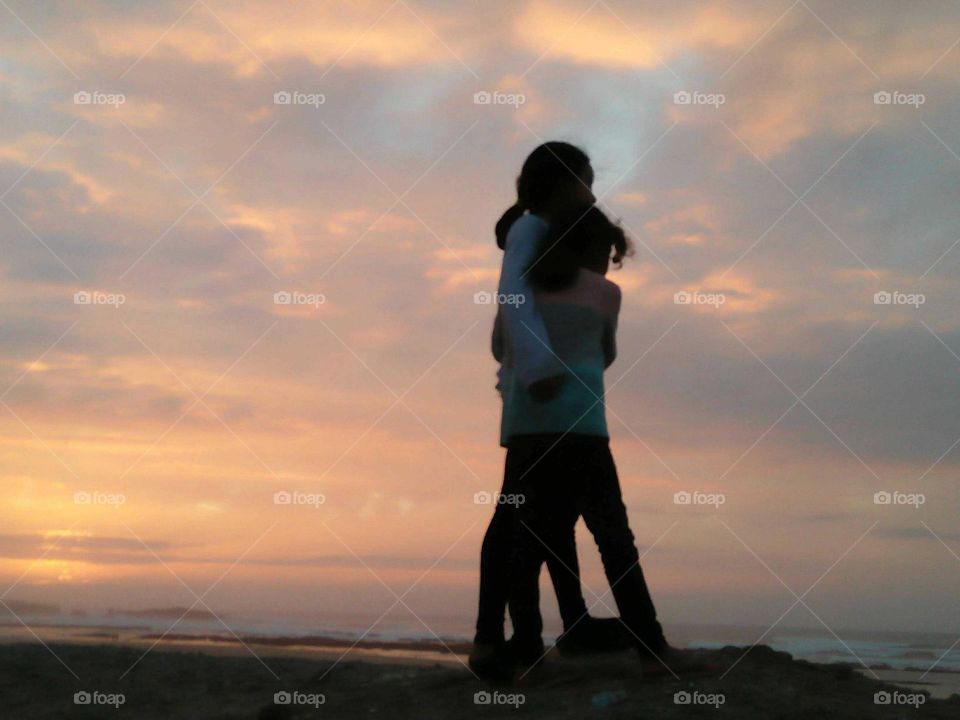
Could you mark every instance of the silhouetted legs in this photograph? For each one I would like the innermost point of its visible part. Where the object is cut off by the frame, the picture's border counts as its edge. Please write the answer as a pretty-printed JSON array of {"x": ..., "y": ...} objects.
[
  {"x": 575, "y": 476},
  {"x": 497, "y": 552}
]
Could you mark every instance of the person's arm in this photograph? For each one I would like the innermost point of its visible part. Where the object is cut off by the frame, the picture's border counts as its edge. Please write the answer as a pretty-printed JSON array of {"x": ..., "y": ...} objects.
[
  {"x": 610, "y": 328},
  {"x": 497, "y": 346},
  {"x": 496, "y": 340},
  {"x": 536, "y": 365}
]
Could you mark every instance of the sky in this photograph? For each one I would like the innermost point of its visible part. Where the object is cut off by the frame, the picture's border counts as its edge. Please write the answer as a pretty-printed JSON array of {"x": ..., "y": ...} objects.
[{"x": 790, "y": 168}]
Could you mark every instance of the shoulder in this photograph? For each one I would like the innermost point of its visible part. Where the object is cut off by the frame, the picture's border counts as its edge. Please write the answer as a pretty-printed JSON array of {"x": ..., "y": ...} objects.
[
  {"x": 613, "y": 291},
  {"x": 599, "y": 283},
  {"x": 526, "y": 226},
  {"x": 607, "y": 290},
  {"x": 595, "y": 290}
]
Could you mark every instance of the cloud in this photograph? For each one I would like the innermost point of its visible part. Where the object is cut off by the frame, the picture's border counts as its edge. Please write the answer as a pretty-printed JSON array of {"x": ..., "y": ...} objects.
[
  {"x": 644, "y": 39},
  {"x": 249, "y": 37},
  {"x": 79, "y": 548},
  {"x": 305, "y": 199}
]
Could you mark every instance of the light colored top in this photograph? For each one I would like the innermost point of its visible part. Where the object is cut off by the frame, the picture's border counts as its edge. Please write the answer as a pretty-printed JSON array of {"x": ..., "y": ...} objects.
[
  {"x": 581, "y": 323},
  {"x": 534, "y": 358}
]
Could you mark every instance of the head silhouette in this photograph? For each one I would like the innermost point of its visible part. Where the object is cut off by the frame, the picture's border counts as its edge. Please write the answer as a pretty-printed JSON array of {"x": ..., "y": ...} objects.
[
  {"x": 554, "y": 182},
  {"x": 590, "y": 241}
]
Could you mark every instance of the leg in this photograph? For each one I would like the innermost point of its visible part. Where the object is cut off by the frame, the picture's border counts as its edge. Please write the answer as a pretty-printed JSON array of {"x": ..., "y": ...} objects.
[
  {"x": 494, "y": 577},
  {"x": 543, "y": 521},
  {"x": 602, "y": 506},
  {"x": 495, "y": 557},
  {"x": 564, "y": 568},
  {"x": 528, "y": 553}
]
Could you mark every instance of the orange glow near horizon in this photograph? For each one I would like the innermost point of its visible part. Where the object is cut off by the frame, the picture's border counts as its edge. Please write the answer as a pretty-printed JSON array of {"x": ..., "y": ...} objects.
[{"x": 211, "y": 296}]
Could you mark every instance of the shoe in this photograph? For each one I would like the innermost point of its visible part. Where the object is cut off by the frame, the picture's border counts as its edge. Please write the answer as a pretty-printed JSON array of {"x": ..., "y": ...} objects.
[
  {"x": 594, "y": 635},
  {"x": 493, "y": 662},
  {"x": 526, "y": 652}
]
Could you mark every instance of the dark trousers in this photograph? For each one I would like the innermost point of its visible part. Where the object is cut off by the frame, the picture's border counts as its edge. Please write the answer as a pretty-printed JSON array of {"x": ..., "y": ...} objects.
[
  {"x": 498, "y": 549},
  {"x": 560, "y": 478}
]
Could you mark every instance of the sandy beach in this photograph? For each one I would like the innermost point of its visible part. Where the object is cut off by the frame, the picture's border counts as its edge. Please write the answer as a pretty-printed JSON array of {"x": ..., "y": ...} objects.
[{"x": 193, "y": 680}]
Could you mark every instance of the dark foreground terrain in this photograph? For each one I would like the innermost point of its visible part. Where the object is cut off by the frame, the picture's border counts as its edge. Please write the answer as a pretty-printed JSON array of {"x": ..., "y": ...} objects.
[{"x": 174, "y": 684}]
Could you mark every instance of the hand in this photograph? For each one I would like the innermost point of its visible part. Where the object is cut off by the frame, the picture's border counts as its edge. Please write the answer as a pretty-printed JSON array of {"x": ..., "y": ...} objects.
[{"x": 546, "y": 389}]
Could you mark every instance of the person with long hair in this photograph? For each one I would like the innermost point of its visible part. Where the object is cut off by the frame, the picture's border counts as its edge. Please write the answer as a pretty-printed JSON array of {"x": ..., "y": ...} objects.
[
  {"x": 553, "y": 187},
  {"x": 558, "y": 457},
  {"x": 563, "y": 462}
]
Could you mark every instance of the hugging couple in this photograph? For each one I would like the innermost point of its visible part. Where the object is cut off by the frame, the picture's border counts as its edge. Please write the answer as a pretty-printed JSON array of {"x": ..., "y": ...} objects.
[{"x": 553, "y": 345}]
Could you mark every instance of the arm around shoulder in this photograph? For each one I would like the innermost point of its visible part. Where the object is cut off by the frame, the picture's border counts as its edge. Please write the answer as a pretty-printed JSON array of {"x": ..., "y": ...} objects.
[{"x": 533, "y": 357}]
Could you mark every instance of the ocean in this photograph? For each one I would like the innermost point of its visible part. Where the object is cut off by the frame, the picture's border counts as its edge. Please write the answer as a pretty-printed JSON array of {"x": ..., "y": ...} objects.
[{"x": 876, "y": 649}]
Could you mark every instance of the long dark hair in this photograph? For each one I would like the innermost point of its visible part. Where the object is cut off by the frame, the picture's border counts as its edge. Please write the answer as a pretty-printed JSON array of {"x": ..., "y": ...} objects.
[
  {"x": 586, "y": 242},
  {"x": 545, "y": 170}
]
